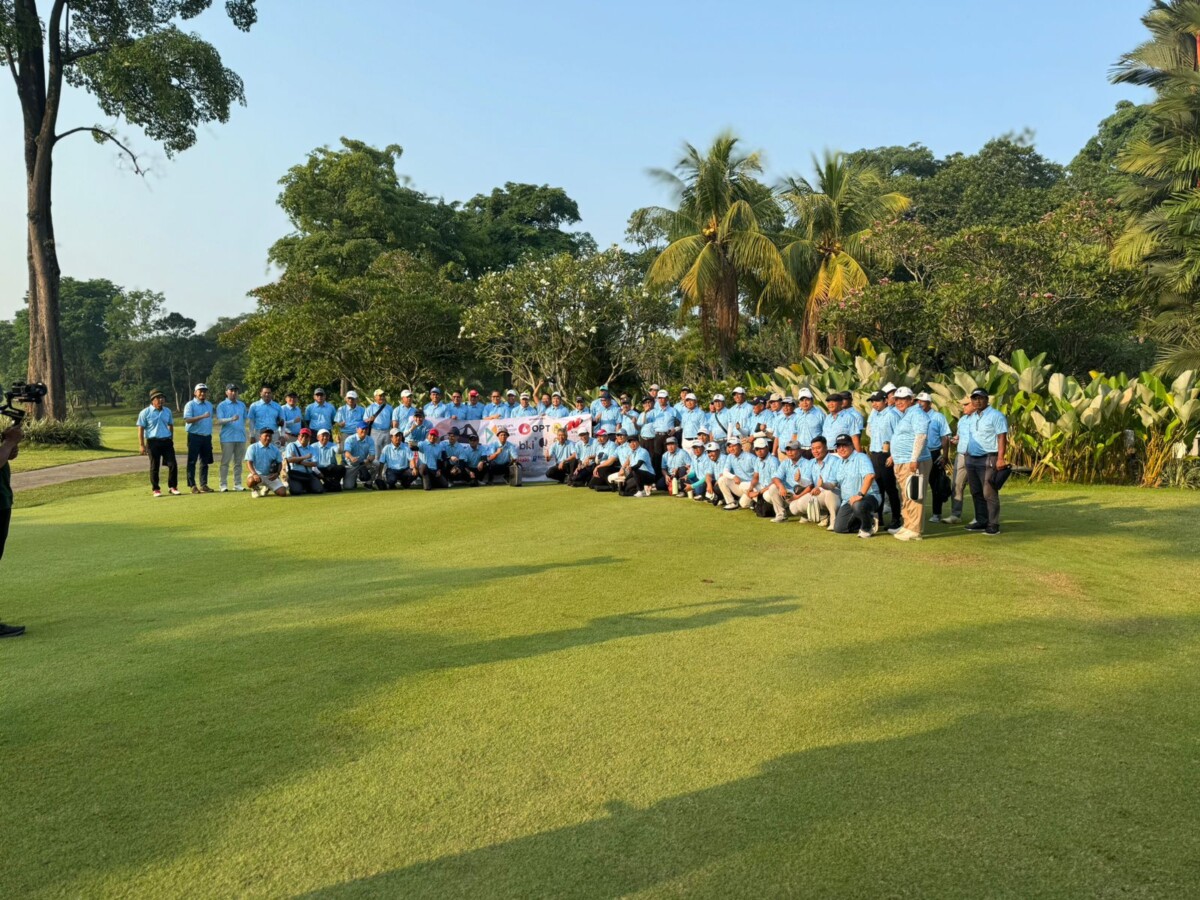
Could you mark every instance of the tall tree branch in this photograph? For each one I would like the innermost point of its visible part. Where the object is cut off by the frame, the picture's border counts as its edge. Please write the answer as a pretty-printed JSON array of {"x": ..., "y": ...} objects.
[{"x": 108, "y": 136}]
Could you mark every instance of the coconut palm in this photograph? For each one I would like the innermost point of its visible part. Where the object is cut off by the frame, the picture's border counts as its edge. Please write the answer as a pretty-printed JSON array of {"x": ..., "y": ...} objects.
[
  {"x": 717, "y": 249},
  {"x": 825, "y": 246},
  {"x": 1163, "y": 194}
]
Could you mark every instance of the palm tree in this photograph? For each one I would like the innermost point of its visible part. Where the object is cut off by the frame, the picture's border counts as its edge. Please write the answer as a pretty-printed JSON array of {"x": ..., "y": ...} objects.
[
  {"x": 718, "y": 250},
  {"x": 825, "y": 246},
  {"x": 1163, "y": 194}
]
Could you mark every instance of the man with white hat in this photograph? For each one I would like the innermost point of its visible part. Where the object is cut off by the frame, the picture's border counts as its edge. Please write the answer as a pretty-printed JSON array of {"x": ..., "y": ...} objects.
[
  {"x": 674, "y": 466},
  {"x": 435, "y": 409},
  {"x": 735, "y": 473},
  {"x": 585, "y": 450},
  {"x": 664, "y": 421},
  {"x": 325, "y": 452},
  {"x": 986, "y": 453},
  {"x": 379, "y": 416},
  {"x": 696, "y": 462},
  {"x": 961, "y": 440},
  {"x": 939, "y": 451},
  {"x": 292, "y": 416},
  {"x": 556, "y": 409},
  {"x": 910, "y": 460},
  {"x": 880, "y": 425},
  {"x": 397, "y": 464},
  {"x": 764, "y": 468},
  {"x": 525, "y": 408},
  {"x": 719, "y": 422},
  {"x": 706, "y": 471},
  {"x": 402, "y": 412},
  {"x": 792, "y": 483},
  {"x": 348, "y": 418},
  {"x": 693, "y": 419},
  {"x": 198, "y": 416},
  {"x": 739, "y": 412},
  {"x": 889, "y": 391}
]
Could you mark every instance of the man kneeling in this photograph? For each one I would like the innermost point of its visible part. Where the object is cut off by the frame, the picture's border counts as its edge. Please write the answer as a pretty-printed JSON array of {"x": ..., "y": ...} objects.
[
  {"x": 302, "y": 466},
  {"x": 637, "y": 471},
  {"x": 264, "y": 462},
  {"x": 397, "y": 465}
]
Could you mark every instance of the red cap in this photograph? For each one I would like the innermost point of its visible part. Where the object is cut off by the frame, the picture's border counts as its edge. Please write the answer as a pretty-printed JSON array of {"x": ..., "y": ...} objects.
[
  {"x": 472, "y": 393},
  {"x": 433, "y": 432},
  {"x": 307, "y": 431}
]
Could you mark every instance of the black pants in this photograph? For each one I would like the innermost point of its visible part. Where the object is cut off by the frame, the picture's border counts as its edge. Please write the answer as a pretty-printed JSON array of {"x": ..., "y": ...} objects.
[
  {"x": 987, "y": 499},
  {"x": 199, "y": 450},
  {"x": 507, "y": 471},
  {"x": 657, "y": 446},
  {"x": 304, "y": 482},
  {"x": 404, "y": 478},
  {"x": 432, "y": 478},
  {"x": 561, "y": 473},
  {"x": 331, "y": 478},
  {"x": 636, "y": 480},
  {"x": 461, "y": 473},
  {"x": 599, "y": 479},
  {"x": 581, "y": 476},
  {"x": 940, "y": 485},
  {"x": 5, "y": 521},
  {"x": 162, "y": 450},
  {"x": 856, "y": 516},
  {"x": 885, "y": 477}
]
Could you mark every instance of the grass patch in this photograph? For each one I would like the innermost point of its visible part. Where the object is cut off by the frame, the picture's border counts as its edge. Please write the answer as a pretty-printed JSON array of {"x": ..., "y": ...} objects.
[
  {"x": 549, "y": 692},
  {"x": 118, "y": 441}
]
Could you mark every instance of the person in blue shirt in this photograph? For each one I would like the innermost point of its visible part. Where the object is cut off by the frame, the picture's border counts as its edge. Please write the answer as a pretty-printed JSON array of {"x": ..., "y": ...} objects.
[
  {"x": 674, "y": 465},
  {"x": 764, "y": 468},
  {"x": 198, "y": 416},
  {"x": 786, "y": 427},
  {"x": 302, "y": 467},
  {"x": 759, "y": 422},
  {"x": 880, "y": 425},
  {"x": 417, "y": 429},
  {"x": 265, "y": 413},
  {"x": 557, "y": 409},
  {"x": 706, "y": 468},
  {"x": 961, "y": 440},
  {"x": 645, "y": 425},
  {"x": 231, "y": 417},
  {"x": 637, "y": 472},
  {"x": 720, "y": 422},
  {"x": 693, "y": 419},
  {"x": 475, "y": 459},
  {"x": 739, "y": 413},
  {"x": 939, "y": 451},
  {"x": 606, "y": 414},
  {"x": 735, "y": 473},
  {"x": 794, "y": 481},
  {"x": 431, "y": 461},
  {"x": 859, "y": 494},
  {"x": 402, "y": 412},
  {"x": 497, "y": 408},
  {"x": 604, "y": 398},
  {"x": 987, "y": 447},
  {"x": 662, "y": 421},
  {"x": 292, "y": 419},
  {"x": 435, "y": 409},
  {"x": 264, "y": 465},
  {"x": 325, "y": 452},
  {"x": 156, "y": 431},
  {"x": 474, "y": 411},
  {"x": 397, "y": 465},
  {"x": 503, "y": 459},
  {"x": 378, "y": 416},
  {"x": 853, "y": 416},
  {"x": 585, "y": 454},
  {"x": 457, "y": 466},
  {"x": 561, "y": 455},
  {"x": 606, "y": 459},
  {"x": 910, "y": 460},
  {"x": 358, "y": 455},
  {"x": 319, "y": 414},
  {"x": 348, "y": 417},
  {"x": 810, "y": 421},
  {"x": 525, "y": 409},
  {"x": 456, "y": 409},
  {"x": 824, "y": 500}
]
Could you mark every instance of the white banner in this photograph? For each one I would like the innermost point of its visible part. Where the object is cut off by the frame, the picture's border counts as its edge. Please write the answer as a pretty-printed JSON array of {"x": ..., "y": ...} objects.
[{"x": 530, "y": 435}]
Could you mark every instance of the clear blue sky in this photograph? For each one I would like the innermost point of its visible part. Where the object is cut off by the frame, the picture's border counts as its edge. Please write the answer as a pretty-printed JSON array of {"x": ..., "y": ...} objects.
[{"x": 579, "y": 95}]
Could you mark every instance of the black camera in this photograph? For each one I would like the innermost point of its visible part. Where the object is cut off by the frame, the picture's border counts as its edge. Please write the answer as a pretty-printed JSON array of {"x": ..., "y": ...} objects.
[{"x": 20, "y": 392}]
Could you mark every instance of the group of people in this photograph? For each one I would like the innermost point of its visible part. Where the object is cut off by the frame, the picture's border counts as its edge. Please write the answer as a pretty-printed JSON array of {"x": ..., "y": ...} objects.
[{"x": 782, "y": 456}]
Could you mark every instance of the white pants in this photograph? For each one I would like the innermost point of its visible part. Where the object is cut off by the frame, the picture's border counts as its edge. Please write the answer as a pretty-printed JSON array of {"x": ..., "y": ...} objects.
[
  {"x": 730, "y": 490},
  {"x": 812, "y": 508}
]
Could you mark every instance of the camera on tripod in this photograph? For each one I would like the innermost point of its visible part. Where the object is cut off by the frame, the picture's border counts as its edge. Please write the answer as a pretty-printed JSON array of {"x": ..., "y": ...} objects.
[{"x": 20, "y": 392}]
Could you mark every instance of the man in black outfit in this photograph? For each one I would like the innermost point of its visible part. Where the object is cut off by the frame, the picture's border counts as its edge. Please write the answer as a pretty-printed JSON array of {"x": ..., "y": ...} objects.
[{"x": 8, "y": 450}]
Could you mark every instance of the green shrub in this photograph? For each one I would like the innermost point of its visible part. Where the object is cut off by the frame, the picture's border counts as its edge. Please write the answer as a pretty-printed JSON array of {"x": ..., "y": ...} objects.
[{"x": 78, "y": 434}]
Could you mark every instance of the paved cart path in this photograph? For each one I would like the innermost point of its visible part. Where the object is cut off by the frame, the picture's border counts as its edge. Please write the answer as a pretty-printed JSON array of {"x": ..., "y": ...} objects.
[{"x": 96, "y": 468}]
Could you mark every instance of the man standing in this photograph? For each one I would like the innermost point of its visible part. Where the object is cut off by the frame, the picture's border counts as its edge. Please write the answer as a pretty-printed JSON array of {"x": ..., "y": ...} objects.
[
  {"x": 359, "y": 458},
  {"x": 303, "y": 477},
  {"x": 761, "y": 418},
  {"x": 810, "y": 422},
  {"x": 786, "y": 427},
  {"x": 156, "y": 430},
  {"x": 557, "y": 409},
  {"x": 379, "y": 416},
  {"x": 881, "y": 424},
  {"x": 939, "y": 453},
  {"x": 231, "y": 416},
  {"x": 264, "y": 413},
  {"x": 497, "y": 409},
  {"x": 910, "y": 460},
  {"x": 985, "y": 457},
  {"x": 524, "y": 408},
  {"x": 961, "y": 440},
  {"x": 665, "y": 422},
  {"x": 348, "y": 417},
  {"x": 720, "y": 423},
  {"x": 292, "y": 419},
  {"x": 264, "y": 463},
  {"x": 319, "y": 414},
  {"x": 693, "y": 419},
  {"x": 402, "y": 412},
  {"x": 198, "y": 423},
  {"x": 502, "y": 460},
  {"x": 856, "y": 485},
  {"x": 739, "y": 413},
  {"x": 561, "y": 454},
  {"x": 324, "y": 451},
  {"x": 435, "y": 409},
  {"x": 474, "y": 410},
  {"x": 396, "y": 463},
  {"x": 606, "y": 414},
  {"x": 9, "y": 442},
  {"x": 456, "y": 409}
]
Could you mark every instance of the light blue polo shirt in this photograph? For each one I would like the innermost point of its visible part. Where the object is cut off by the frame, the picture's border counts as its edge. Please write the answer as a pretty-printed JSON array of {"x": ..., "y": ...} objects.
[
  {"x": 608, "y": 417},
  {"x": 585, "y": 450},
  {"x": 556, "y": 412},
  {"x": 679, "y": 459},
  {"x": 500, "y": 409},
  {"x": 912, "y": 423},
  {"x": 692, "y": 420},
  {"x": 766, "y": 469},
  {"x": 881, "y": 423},
  {"x": 524, "y": 412},
  {"x": 797, "y": 475},
  {"x": 640, "y": 455},
  {"x": 232, "y": 432},
  {"x": 262, "y": 414},
  {"x": 435, "y": 411},
  {"x": 560, "y": 453},
  {"x": 809, "y": 425},
  {"x": 294, "y": 449},
  {"x": 719, "y": 424},
  {"x": 431, "y": 453},
  {"x": 198, "y": 408},
  {"x": 293, "y": 419},
  {"x": 361, "y": 448},
  {"x": 786, "y": 428},
  {"x": 457, "y": 411},
  {"x": 827, "y": 470},
  {"x": 471, "y": 455},
  {"x": 262, "y": 457},
  {"x": 963, "y": 432},
  {"x": 320, "y": 415},
  {"x": 473, "y": 412},
  {"x": 663, "y": 418},
  {"x": 349, "y": 417},
  {"x": 415, "y": 432},
  {"x": 401, "y": 415},
  {"x": 507, "y": 451},
  {"x": 382, "y": 413},
  {"x": 989, "y": 422},
  {"x": 604, "y": 451},
  {"x": 325, "y": 456},
  {"x": 739, "y": 465},
  {"x": 938, "y": 428},
  {"x": 853, "y": 471},
  {"x": 156, "y": 422},
  {"x": 394, "y": 457}
]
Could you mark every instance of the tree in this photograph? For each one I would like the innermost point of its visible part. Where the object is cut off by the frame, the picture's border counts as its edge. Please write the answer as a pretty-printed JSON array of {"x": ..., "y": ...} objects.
[
  {"x": 718, "y": 247},
  {"x": 825, "y": 243},
  {"x": 575, "y": 321},
  {"x": 519, "y": 221},
  {"x": 1095, "y": 170},
  {"x": 140, "y": 67},
  {"x": 349, "y": 206},
  {"x": 1162, "y": 195}
]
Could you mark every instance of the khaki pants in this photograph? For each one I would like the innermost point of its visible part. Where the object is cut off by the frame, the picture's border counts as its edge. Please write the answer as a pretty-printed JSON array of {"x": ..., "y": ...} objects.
[
  {"x": 913, "y": 511},
  {"x": 731, "y": 491},
  {"x": 231, "y": 455},
  {"x": 825, "y": 503}
]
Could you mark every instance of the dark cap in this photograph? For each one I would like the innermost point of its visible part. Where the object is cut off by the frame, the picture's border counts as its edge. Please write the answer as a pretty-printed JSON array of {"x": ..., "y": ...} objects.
[
  {"x": 878, "y": 397},
  {"x": 157, "y": 393},
  {"x": 266, "y": 431},
  {"x": 581, "y": 400},
  {"x": 418, "y": 412},
  {"x": 320, "y": 391},
  {"x": 843, "y": 440},
  {"x": 979, "y": 392},
  {"x": 759, "y": 401},
  {"x": 231, "y": 387}
]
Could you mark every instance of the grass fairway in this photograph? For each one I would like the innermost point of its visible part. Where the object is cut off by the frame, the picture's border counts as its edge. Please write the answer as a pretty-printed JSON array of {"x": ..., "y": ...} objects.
[{"x": 554, "y": 693}]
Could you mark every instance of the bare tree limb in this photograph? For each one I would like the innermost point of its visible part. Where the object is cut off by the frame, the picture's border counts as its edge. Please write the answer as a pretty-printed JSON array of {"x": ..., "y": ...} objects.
[{"x": 100, "y": 132}]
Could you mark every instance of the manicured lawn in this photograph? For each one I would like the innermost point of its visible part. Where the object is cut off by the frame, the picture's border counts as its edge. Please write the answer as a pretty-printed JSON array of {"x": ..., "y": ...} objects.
[
  {"x": 118, "y": 441},
  {"x": 555, "y": 693}
]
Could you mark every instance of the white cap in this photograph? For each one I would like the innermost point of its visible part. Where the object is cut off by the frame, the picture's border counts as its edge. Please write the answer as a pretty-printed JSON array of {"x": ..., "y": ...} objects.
[
  {"x": 689, "y": 396},
  {"x": 662, "y": 393},
  {"x": 903, "y": 392},
  {"x": 761, "y": 442},
  {"x": 395, "y": 431},
  {"x": 720, "y": 397},
  {"x": 712, "y": 445},
  {"x": 405, "y": 393},
  {"x": 739, "y": 390},
  {"x": 510, "y": 393},
  {"x": 692, "y": 445},
  {"x": 200, "y": 387},
  {"x": 379, "y": 391},
  {"x": 350, "y": 394},
  {"x": 804, "y": 393},
  {"x": 888, "y": 388},
  {"x": 524, "y": 396},
  {"x": 924, "y": 395},
  {"x": 790, "y": 400},
  {"x": 324, "y": 431}
]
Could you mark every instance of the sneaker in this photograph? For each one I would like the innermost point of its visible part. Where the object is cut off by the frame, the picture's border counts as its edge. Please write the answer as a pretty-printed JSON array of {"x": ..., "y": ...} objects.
[
  {"x": 935, "y": 518},
  {"x": 254, "y": 495},
  {"x": 641, "y": 494},
  {"x": 730, "y": 506},
  {"x": 205, "y": 489},
  {"x": 992, "y": 532},
  {"x": 157, "y": 493},
  {"x": 906, "y": 535},
  {"x": 174, "y": 492},
  {"x": 195, "y": 490},
  {"x": 952, "y": 520},
  {"x": 865, "y": 535},
  {"x": 976, "y": 528},
  {"x": 895, "y": 529},
  {"x": 779, "y": 519},
  {"x": 238, "y": 487},
  {"x": 697, "y": 498},
  {"x": 875, "y": 527},
  {"x": 972, "y": 523},
  {"x": 829, "y": 527},
  {"x": 11, "y": 630},
  {"x": 224, "y": 490}
]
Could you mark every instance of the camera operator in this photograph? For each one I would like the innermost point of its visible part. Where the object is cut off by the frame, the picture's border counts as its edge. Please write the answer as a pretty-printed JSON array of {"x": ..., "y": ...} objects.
[{"x": 9, "y": 440}]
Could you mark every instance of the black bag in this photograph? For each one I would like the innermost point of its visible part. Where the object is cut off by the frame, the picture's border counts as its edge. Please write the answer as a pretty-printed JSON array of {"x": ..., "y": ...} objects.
[
  {"x": 999, "y": 476},
  {"x": 763, "y": 509}
]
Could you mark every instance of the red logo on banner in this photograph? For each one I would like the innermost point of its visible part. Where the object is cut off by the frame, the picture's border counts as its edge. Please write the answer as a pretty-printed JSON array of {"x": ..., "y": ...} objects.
[{"x": 524, "y": 429}]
